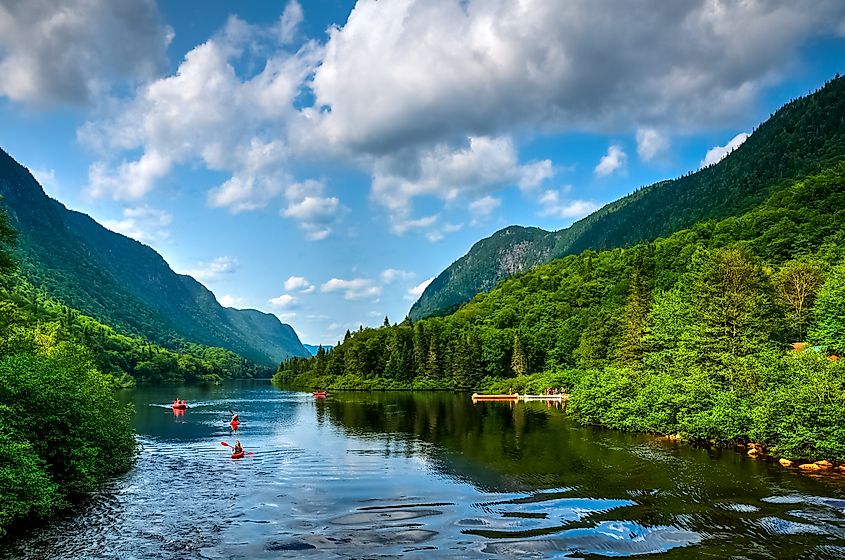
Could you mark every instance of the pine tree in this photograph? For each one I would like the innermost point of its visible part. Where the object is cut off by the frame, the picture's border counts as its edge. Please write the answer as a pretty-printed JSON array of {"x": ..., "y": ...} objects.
[
  {"x": 420, "y": 350},
  {"x": 519, "y": 363},
  {"x": 386, "y": 322},
  {"x": 632, "y": 344}
]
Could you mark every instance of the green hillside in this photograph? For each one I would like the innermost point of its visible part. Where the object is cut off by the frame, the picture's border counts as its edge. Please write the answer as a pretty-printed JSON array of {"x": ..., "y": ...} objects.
[
  {"x": 804, "y": 137},
  {"x": 126, "y": 284},
  {"x": 683, "y": 335}
]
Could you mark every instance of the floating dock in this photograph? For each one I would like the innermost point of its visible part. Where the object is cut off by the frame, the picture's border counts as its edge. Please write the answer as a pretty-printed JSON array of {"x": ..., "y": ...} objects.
[{"x": 560, "y": 397}]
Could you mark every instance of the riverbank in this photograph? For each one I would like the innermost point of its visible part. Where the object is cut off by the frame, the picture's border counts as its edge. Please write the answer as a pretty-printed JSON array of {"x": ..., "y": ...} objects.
[{"x": 792, "y": 405}]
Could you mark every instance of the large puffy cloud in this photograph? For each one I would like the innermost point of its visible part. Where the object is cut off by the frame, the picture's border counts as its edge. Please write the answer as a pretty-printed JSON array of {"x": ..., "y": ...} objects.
[
  {"x": 206, "y": 112},
  {"x": 482, "y": 166},
  {"x": 426, "y": 96},
  {"x": 68, "y": 51},
  {"x": 418, "y": 71}
]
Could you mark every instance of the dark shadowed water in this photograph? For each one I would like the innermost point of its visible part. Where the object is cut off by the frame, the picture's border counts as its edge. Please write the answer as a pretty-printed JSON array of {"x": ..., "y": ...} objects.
[{"x": 429, "y": 475}]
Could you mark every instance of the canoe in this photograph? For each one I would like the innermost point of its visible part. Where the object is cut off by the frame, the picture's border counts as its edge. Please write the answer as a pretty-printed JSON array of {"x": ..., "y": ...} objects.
[
  {"x": 179, "y": 406},
  {"x": 237, "y": 455},
  {"x": 478, "y": 397}
]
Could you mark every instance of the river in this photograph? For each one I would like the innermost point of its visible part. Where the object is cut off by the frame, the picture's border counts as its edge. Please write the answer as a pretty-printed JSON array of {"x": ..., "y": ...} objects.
[{"x": 359, "y": 475}]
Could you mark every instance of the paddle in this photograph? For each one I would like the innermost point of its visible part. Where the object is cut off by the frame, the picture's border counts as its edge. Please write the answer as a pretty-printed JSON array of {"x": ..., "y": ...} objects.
[{"x": 224, "y": 444}]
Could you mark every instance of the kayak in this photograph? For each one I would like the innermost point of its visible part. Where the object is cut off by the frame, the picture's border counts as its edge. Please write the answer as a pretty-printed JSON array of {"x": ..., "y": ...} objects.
[
  {"x": 319, "y": 394},
  {"x": 238, "y": 455},
  {"x": 234, "y": 424},
  {"x": 179, "y": 406}
]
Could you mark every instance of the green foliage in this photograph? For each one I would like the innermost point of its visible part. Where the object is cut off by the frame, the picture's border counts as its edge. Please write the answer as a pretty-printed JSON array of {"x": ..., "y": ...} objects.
[
  {"x": 829, "y": 328},
  {"x": 63, "y": 431}
]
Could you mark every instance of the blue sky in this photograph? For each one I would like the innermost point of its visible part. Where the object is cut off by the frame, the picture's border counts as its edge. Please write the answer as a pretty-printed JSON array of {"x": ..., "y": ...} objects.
[{"x": 323, "y": 160}]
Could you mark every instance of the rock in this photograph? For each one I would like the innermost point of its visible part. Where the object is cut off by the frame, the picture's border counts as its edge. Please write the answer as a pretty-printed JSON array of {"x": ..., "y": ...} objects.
[
  {"x": 809, "y": 467},
  {"x": 785, "y": 462},
  {"x": 841, "y": 468},
  {"x": 823, "y": 464},
  {"x": 753, "y": 452}
]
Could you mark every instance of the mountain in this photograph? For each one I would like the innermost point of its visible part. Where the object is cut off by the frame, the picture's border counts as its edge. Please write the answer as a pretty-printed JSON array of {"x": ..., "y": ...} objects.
[
  {"x": 312, "y": 349},
  {"x": 126, "y": 284},
  {"x": 803, "y": 137}
]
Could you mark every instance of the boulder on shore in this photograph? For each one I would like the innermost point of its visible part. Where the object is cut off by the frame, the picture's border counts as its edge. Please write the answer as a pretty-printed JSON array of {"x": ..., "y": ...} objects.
[
  {"x": 824, "y": 464},
  {"x": 785, "y": 462},
  {"x": 809, "y": 467}
]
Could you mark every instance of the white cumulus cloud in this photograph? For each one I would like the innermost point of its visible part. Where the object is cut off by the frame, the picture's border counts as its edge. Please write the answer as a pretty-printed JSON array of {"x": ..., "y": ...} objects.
[
  {"x": 610, "y": 163},
  {"x": 299, "y": 284},
  {"x": 142, "y": 224},
  {"x": 206, "y": 113},
  {"x": 228, "y": 300},
  {"x": 414, "y": 293},
  {"x": 554, "y": 206},
  {"x": 283, "y": 301},
  {"x": 390, "y": 275},
  {"x": 651, "y": 144},
  {"x": 717, "y": 153},
  {"x": 354, "y": 289}
]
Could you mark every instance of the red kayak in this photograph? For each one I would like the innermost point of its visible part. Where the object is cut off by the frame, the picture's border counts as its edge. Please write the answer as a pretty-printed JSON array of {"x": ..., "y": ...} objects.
[
  {"x": 319, "y": 394},
  {"x": 238, "y": 455},
  {"x": 179, "y": 406},
  {"x": 234, "y": 424}
]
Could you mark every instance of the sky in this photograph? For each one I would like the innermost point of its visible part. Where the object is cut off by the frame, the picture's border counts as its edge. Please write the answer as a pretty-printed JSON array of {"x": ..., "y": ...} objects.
[{"x": 323, "y": 160}]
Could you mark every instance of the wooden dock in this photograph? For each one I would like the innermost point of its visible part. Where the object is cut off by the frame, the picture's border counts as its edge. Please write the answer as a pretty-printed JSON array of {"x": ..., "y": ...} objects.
[{"x": 560, "y": 397}]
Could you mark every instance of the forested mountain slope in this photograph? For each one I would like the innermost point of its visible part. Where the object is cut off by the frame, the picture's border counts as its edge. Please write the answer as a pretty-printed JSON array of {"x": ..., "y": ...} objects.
[
  {"x": 124, "y": 283},
  {"x": 803, "y": 137}
]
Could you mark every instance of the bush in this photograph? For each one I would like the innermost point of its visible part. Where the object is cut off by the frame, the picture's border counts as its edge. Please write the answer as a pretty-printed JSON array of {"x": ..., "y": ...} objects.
[{"x": 64, "y": 433}]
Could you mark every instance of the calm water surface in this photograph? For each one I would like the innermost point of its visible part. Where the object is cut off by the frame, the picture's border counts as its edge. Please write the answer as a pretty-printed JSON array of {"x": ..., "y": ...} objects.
[{"x": 402, "y": 475}]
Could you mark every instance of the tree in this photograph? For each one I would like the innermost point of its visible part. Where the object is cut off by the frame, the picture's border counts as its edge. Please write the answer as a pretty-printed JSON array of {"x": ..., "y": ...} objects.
[
  {"x": 829, "y": 313},
  {"x": 733, "y": 305},
  {"x": 386, "y": 322},
  {"x": 519, "y": 363},
  {"x": 7, "y": 240},
  {"x": 797, "y": 283},
  {"x": 632, "y": 344}
]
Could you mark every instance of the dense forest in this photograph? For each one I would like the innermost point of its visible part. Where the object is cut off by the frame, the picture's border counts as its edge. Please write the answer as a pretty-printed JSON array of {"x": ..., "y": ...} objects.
[
  {"x": 804, "y": 137},
  {"x": 690, "y": 334}
]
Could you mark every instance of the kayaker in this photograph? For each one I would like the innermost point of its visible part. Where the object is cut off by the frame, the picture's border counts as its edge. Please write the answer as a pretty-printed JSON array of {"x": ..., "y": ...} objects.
[
  {"x": 176, "y": 402},
  {"x": 235, "y": 418},
  {"x": 238, "y": 448}
]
